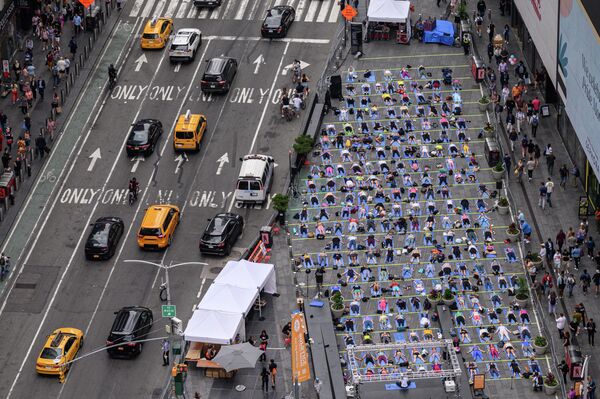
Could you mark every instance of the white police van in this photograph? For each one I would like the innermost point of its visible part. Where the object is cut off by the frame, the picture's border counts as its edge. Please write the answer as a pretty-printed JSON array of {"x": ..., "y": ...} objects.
[{"x": 255, "y": 179}]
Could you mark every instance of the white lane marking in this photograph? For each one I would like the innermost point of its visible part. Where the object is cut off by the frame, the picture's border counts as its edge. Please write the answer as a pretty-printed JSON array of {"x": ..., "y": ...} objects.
[
  {"x": 182, "y": 9},
  {"x": 201, "y": 286},
  {"x": 136, "y": 162},
  {"x": 193, "y": 13},
  {"x": 255, "y": 7},
  {"x": 278, "y": 2},
  {"x": 136, "y": 8},
  {"x": 95, "y": 156},
  {"x": 300, "y": 9},
  {"x": 214, "y": 14},
  {"x": 262, "y": 117},
  {"x": 335, "y": 13},
  {"x": 312, "y": 9},
  {"x": 159, "y": 8},
  {"x": 177, "y": 67},
  {"x": 324, "y": 10},
  {"x": 227, "y": 12},
  {"x": 222, "y": 161},
  {"x": 141, "y": 60},
  {"x": 147, "y": 9},
  {"x": 64, "y": 274},
  {"x": 258, "y": 38},
  {"x": 171, "y": 9},
  {"x": 241, "y": 10},
  {"x": 38, "y": 181}
]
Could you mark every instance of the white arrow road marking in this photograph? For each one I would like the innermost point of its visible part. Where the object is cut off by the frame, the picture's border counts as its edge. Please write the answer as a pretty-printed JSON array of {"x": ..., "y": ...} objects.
[
  {"x": 94, "y": 157},
  {"x": 180, "y": 160},
  {"x": 286, "y": 68},
  {"x": 177, "y": 67},
  {"x": 222, "y": 161},
  {"x": 258, "y": 62},
  {"x": 275, "y": 164},
  {"x": 139, "y": 62},
  {"x": 136, "y": 161}
]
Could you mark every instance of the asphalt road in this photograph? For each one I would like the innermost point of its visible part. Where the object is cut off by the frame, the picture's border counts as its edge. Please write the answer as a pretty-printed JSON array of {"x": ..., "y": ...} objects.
[{"x": 55, "y": 286}]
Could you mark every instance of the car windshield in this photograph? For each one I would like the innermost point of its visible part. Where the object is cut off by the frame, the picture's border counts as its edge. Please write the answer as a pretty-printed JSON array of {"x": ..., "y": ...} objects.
[
  {"x": 179, "y": 47},
  {"x": 99, "y": 235},
  {"x": 139, "y": 134},
  {"x": 51, "y": 353},
  {"x": 184, "y": 135},
  {"x": 150, "y": 36},
  {"x": 273, "y": 20},
  {"x": 144, "y": 231}
]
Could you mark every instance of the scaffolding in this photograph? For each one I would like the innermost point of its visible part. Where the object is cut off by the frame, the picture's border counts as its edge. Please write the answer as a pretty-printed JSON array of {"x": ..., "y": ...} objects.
[{"x": 358, "y": 378}]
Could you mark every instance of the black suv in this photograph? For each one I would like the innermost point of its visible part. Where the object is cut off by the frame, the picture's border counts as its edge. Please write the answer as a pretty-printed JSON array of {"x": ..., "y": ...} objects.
[
  {"x": 207, "y": 3},
  {"x": 104, "y": 238},
  {"x": 219, "y": 75},
  {"x": 221, "y": 233},
  {"x": 143, "y": 137},
  {"x": 278, "y": 21},
  {"x": 133, "y": 323}
]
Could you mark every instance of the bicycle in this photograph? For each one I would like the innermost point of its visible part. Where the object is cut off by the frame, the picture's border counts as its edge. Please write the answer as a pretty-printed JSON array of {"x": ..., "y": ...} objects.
[
  {"x": 162, "y": 293},
  {"x": 288, "y": 113},
  {"x": 133, "y": 196}
]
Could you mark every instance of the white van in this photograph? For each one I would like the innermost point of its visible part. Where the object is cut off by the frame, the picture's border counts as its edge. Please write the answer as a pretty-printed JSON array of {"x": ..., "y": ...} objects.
[{"x": 255, "y": 179}]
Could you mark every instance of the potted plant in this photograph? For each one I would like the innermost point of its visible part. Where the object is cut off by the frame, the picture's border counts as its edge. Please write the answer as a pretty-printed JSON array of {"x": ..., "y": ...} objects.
[
  {"x": 448, "y": 297},
  {"x": 461, "y": 11},
  {"x": 498, "y": 171},
  {"x": 503, "y": 206},
  {"x": 303, "y": 145},
  {"x": 484, "y": 103},
  {"x": 550, "y": 384},
  {"x": 540, "y": 344},
  {"x": 489, "y": 130},
  {"x": 434, "y": 297},
  {"x": 280, "y": 203},
  {"x": 337, "y": 305},
  {"x": 513, "y": 232},
  {"x": 522, "y": 294}
]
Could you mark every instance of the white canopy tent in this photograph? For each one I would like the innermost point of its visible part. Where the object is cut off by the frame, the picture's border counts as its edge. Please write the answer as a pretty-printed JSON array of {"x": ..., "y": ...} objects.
[
  {"x": 215, "y": 327},
  {"x": 388, "y": 11},
  {"x": 250, "y": 275},
  {"x": 229, "y": 298}
]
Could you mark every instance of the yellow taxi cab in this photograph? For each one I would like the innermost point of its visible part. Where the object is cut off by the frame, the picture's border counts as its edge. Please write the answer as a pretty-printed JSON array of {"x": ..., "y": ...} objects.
[
  {"x": 189, "y": 131},
  {"x": 156, "y": 33},
  {"x": 61, "y": 348},
  {"x": 158, "y": 226}
]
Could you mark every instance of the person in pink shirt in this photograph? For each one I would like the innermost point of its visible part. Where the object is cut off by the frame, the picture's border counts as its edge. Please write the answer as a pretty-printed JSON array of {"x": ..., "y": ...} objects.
[{"x": 536, "y": 103}]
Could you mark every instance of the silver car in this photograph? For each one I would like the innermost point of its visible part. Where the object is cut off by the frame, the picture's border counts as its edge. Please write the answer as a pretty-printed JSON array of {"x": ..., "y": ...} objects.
[{"x": 185, "y": 44}]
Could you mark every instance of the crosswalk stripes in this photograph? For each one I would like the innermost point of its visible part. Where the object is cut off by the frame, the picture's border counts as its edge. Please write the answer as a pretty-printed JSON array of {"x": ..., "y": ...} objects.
[{"x": 321, "y": 11}]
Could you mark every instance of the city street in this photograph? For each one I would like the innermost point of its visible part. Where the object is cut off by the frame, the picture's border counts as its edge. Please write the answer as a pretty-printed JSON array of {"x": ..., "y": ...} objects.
[{"x": 87, "y": 177}]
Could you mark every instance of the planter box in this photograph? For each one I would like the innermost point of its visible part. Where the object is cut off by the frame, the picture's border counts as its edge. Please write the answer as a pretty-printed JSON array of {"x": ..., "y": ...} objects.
[
  {"x": 337, "y": 313},
  {"x": 513, "y": 237},
  {"x": 550, "y": 390},
  {"x": 449, "y": 302},
  {"x": 522, "y": 302},
  {"x": 483, "y": 107},
  {"x": 496, "y": 175},
  {"x": 503, "y": 210},
  {"x": 490, "y": 134},
  {"x": 540, "y": 350}
]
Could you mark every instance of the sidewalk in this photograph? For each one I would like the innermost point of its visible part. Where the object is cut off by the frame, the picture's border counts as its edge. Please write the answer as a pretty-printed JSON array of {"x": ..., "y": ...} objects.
[{"x": 564, "y": 213}]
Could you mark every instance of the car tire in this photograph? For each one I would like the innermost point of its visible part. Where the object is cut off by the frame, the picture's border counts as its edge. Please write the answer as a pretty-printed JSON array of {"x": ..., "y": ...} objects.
[
  {"x": 170, "y": 240},
  {"x": 228, "y": 250},
  {"x": 197, "y": 149}
]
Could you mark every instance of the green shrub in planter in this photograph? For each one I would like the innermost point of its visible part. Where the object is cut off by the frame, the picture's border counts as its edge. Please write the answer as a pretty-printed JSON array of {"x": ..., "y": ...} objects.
[
  {"x": 281, "y": 202},
  {"x": 540, "y": 341},
  {"x": 522, "y": 292},
  {"x": 499, "y": 167},
  {"x": 550, "y": 380},
  {"x": 304, "y": 144},
  {"x": 512, "y": 229},
  {"x": 448, "y": 295},
  {"x": 337, "y": 301},
  {"x": 502, "y": 201}
]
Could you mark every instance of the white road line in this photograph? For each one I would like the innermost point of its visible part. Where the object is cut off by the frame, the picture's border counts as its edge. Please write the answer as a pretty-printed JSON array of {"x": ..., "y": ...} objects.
[
  {"x": 335, "y": 13},
  {"x": 136, "y": 8},
  {"x": 203, "y": 13},
  {"x": 183, "y": 9},
  {"x": 267, "y": 103},
  {"x": 227, "y": 12},
  {"x": 258, "y": 38},
  {"x": 50, "y": 212},
  {"x": 300, "y": 9},
  {"x": 159, "y": 8},
  {"x": 171, "y": 9},
  {"x": 147, "y": 9},
  {"x": 214, "y": 14},
  {"x": 312, "y": 9},
  {"x": 278, "y": 2},
  {"x": 201, "y": 286},
  {"x": 325, "y": 4},
  {"x": 193, "y": 13},
  {"x": 241, "y": 10},
  {"x": 253, "y": 11}
]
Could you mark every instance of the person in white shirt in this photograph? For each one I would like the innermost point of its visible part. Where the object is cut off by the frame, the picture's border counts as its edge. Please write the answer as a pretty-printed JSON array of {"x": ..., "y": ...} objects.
[
  {"x": 561, "y": 322},
  {"x": 549, "y": 190},
  {"x": 503, "y": 333}
]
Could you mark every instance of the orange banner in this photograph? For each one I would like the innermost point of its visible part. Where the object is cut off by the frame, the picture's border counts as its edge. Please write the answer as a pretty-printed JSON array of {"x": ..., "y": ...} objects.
[
  {"x": 300, "y": 367},
  {"x": 86, "y": 3}
]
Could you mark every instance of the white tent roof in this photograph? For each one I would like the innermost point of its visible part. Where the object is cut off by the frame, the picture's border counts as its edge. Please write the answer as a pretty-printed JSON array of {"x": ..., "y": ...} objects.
[
  {"x": 250, "y": 275},
  {"x": 388, "y": 11},
  {"x": 214, "y": 327},
  {"x": 229, "y": 298}
]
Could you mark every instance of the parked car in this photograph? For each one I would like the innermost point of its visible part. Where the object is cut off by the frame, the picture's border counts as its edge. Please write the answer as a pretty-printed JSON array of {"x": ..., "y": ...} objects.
[{"x": 221, "y": 234}]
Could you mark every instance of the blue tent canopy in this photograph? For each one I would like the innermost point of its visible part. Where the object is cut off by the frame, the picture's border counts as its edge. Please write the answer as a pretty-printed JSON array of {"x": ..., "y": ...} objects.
[{"x": 443, "y": 33}]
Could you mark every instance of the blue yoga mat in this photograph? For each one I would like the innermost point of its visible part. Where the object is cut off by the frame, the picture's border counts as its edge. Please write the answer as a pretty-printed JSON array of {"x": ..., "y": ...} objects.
[{"x": 393, "y": 387}]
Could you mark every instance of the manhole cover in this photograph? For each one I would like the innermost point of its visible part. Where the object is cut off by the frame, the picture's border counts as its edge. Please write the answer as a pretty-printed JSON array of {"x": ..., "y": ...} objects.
[{"x": 215, "y": 270}]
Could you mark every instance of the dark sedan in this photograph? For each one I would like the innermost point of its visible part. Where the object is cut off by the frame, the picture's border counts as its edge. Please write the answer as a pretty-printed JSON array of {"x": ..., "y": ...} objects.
[
  {"x": 104, "y": 238},
  {"x": 143, "y": 137},
  {"x": 221, "y": 233},
  {"x": 278, "y": 21}
]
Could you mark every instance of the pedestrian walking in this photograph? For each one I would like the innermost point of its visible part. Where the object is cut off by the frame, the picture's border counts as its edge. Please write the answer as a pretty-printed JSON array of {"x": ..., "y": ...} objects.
[
  {"x": 491, "y": 30},
  {"x": 575, "y": 174},
  {"x": 549, "y": 190},
  {"x": 524, "y": 146},
  {"x": 355, "y": 2},
  {"x": 534, "y": 122},
  {"x": 596, "y": 281},
  {"x": 40, "y": 146},
  {"x": 585, "y": 280},
  {"x": 506, "y": 34},
  {"x": 550, "y": 158},
  {"x": 264, "y": 375},
  {"x": 507, "y": 163},
  {"x": 317, "y": 385},
  {"x": 537, "y": 154},
  {"x": 570, "y": 284},
  {"x": 77, "y": 23},
  {"x": 73, "y": 47},
  {"x": 564, "y": 369},
  {"x": 519, "y": 169},
  {"x": 530, "y": 168},
  {"x": 590, "y": 327},
  {"x": 561, "y": 323},
  {"x": 590, "y": 244},
  {"x": 490, "y": 51},
  {"x": 552, "y": 302},
  {"x": 319, "y": 273},
  {"x": 40, "y": 86},
  {"x": 561, "y": 284},
  {"x": 564, "y": 174},
  {"x": 273, "y": 371},
  {"x": 165, "y": 352},
  {"x": 591, "y": 388},
  {"x": 264, "y": 342},
  {"x": 542, "y": 195},
  {"x": 6, "y": 157}
]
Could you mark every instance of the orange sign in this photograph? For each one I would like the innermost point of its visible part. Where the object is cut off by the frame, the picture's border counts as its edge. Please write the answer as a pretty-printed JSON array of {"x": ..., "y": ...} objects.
[
  {"x": 349, "y": 12},
  {"x": 300, "y": 368},
  {"x": 86, "y": 3}
]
